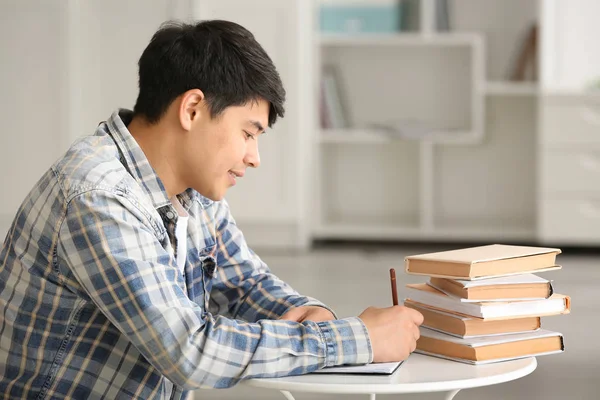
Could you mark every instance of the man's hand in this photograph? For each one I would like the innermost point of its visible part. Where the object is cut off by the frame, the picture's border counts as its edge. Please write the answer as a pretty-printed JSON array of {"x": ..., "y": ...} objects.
[
  {"x": 308, "y": 313},
  {"x": 393, "y": 331}
]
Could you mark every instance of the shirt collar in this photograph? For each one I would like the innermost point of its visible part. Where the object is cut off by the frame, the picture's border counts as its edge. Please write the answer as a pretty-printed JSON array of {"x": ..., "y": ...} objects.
[{"x": 134, "y": 159}]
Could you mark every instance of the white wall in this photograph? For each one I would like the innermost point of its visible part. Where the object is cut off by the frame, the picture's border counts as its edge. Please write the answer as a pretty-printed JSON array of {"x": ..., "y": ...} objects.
[
  {"x": 66, "y": 65},
  {"x": 570, "y": 56},
  {"x": 111, "y": 35},
  {"x": 33, "y": 98}
]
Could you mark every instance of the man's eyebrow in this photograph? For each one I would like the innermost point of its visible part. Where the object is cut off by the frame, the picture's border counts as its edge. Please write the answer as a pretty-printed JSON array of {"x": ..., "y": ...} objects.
[{"x": 258, "y": 126}]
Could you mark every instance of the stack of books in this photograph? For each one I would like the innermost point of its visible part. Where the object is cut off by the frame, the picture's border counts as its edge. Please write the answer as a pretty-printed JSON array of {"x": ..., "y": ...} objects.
[{"x": 484, "y": 304}]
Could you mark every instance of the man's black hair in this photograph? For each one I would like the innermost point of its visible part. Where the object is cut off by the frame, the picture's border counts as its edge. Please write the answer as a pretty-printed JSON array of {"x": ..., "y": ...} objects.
[{"x": 221, "y": 58}]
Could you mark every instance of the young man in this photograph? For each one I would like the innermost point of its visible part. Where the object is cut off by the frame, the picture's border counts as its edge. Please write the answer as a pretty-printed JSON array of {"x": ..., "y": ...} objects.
[{"x": 124, "y": 274}]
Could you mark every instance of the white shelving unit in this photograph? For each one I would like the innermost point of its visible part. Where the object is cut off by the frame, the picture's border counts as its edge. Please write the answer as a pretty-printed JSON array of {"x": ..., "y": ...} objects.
[
  {"x": 489, "y": 168},
  {"x": 568, "y": 193},
  {"x": 364, "y": 136},
  {"x": 399, "y": 39},
  {"x": 473, "y": 179},
  {"x": 492, "y": 88}
]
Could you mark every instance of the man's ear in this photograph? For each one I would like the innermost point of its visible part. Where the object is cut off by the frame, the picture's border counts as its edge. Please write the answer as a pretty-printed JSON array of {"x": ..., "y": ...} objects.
[{"x": 190, "y": 108}]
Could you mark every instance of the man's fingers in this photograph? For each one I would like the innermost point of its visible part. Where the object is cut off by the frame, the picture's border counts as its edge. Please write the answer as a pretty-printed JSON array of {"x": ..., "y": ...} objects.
[
  {"x": 416, "y": 333},
  {"x": 413, "y": 347},
  {"x": 416, "y": 316}
]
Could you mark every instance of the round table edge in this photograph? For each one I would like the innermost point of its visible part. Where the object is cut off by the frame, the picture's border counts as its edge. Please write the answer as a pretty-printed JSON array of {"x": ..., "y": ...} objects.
[{"x": 390, "y": 388}]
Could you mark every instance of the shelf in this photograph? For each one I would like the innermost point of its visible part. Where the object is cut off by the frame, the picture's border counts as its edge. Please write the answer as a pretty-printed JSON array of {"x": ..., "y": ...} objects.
[
  {"x": 492, "y": 231},
  {"x": 499, "y": 88},
  {"x": 364, "y": 232},
  {"x": 387, "y": 232},
  {"x": 370, "y": 185},
  {"x": 471, "y": 181},
  {"x": 369, "y": 96},
  {"x": 357, "y": 136},
  {"x": 400, "y": 39},
  {"x": 374, "y": 136},
  {"x": 573, "y": 92}
]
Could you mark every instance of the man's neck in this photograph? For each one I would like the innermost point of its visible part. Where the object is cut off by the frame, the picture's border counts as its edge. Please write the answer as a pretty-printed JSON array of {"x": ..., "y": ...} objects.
[{"x": 157, "y": 143}]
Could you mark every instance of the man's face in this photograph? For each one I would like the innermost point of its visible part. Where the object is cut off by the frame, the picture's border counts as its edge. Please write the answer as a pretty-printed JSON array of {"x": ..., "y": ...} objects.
[{"x": 218, "y": 151}]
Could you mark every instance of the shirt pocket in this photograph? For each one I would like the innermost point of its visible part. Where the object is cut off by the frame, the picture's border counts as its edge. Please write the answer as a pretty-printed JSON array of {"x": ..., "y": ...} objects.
[{"x": 199, "y": 275}]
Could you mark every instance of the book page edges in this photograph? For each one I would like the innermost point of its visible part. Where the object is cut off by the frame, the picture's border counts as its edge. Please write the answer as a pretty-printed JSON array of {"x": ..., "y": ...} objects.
[
  {"x": 566, "y": 310},
  {"x": 486, "y": 361},
  {"x": 474, "y": 278},
  {"x": 487, "y": 348},
  {"x": 505, "y": 252},
  {"x": 514, "y": 279},
  {"x": 550, "y": 292}
]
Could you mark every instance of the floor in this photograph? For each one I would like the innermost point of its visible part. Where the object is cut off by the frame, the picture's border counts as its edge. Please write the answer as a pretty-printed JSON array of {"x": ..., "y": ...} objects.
[{"x": 349, "y": 279}]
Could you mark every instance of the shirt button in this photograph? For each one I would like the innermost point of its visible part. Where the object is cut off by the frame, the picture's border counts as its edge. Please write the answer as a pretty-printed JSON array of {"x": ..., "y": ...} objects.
[{"x": 170, "y": 215}]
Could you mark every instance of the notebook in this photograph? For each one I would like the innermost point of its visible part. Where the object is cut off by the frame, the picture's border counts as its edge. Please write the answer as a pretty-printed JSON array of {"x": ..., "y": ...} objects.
[{"x": 367, "y": 369}]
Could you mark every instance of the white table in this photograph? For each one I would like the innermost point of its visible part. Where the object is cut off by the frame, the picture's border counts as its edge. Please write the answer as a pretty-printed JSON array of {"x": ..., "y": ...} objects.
[{"x": 418, "y": 374}]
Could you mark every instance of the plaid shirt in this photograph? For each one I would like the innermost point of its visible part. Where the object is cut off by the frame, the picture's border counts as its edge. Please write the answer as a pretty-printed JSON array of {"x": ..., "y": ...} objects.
[{"x": 93, "y": 305}]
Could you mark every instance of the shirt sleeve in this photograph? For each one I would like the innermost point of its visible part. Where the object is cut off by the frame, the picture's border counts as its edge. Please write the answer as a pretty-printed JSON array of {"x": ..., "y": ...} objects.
[
  {"x": 112, "y": 250},
  {"x": 244, "y": 286}
]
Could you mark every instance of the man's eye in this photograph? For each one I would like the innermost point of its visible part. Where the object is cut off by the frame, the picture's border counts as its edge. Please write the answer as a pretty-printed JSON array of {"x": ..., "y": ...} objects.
[{"x": 248, "y": 135}]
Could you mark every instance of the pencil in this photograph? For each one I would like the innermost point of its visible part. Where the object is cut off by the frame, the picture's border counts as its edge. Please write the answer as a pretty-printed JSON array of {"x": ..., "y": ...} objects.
[{"x": 394, "y": 290}]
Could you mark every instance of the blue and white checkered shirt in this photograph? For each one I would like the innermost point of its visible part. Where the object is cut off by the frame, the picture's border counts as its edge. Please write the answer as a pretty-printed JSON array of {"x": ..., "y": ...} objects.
[{"x": 93, "y": 305}]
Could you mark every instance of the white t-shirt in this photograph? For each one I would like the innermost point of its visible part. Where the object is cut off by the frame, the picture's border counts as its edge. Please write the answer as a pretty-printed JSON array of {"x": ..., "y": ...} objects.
[{"x": 181, "y": 233}]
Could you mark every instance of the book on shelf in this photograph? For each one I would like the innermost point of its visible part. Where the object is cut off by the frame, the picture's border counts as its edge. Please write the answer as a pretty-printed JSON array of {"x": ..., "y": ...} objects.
[
  {"x": 324, "y": 113},
  {"x": 465, "y": 327},
  {"x": 488, "y": 349},
  {"x": 525, "y": 63},
  {"x": 409, "y": 129},
  {"x": 505, "y": 288},
  {"x": 442, "y": 15},
  {"x": 483, "y": 262},
  {"x": 433, "y": 298},
  {"x": 332, "y": 105}
]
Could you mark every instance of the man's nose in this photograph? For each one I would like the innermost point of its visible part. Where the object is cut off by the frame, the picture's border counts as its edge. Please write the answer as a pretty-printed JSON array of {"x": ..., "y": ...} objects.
[{"x": 252, "y": 158}]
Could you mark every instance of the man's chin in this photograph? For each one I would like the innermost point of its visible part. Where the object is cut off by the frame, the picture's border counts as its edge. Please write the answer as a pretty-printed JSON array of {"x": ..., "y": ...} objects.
[
  {"x": 217, "y": 198},
  {"x": 213, "y": 195}
]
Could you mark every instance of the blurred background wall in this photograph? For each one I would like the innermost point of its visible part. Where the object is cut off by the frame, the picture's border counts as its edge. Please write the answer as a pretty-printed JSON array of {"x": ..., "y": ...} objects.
[{"x": 414, "y": 120}]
